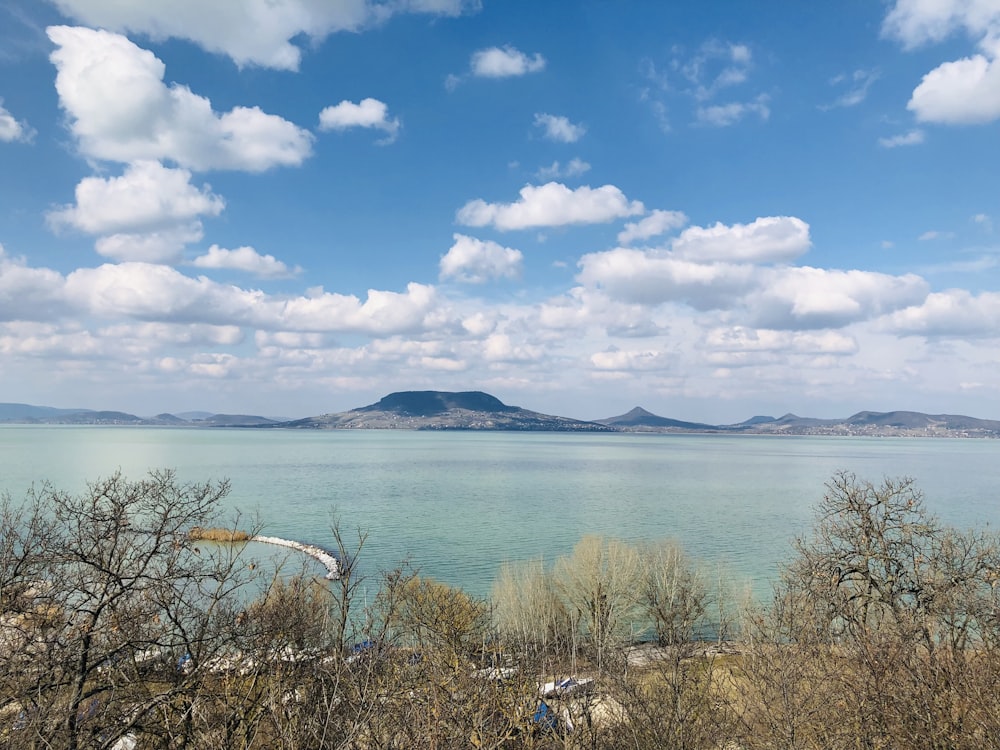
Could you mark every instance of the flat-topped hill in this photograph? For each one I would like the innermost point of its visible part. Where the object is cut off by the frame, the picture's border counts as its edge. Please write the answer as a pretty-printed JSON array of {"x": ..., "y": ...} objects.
[{"x": 444, "y": 410}]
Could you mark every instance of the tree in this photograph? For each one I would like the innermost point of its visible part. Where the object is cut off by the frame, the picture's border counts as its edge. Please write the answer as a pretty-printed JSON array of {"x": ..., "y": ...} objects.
[
  {"x": 895, "y": 611},
  {"x": 598, "y": 584},
  {"x": 528, "y": 612},
  {"x": 99, "y": 591},
  {"x": 673, "y": 593}
]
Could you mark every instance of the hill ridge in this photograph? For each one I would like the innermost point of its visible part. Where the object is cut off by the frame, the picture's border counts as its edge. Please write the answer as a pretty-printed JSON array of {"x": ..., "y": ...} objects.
[{"x": 478, "y": 410}]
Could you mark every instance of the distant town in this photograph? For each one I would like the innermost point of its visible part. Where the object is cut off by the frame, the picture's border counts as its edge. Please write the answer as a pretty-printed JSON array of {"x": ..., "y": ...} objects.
[{"x": 475, "y": 410}]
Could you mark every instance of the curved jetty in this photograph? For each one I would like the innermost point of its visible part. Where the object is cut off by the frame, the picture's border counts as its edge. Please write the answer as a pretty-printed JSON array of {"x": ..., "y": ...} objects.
[{"x": 327, "y": 559}]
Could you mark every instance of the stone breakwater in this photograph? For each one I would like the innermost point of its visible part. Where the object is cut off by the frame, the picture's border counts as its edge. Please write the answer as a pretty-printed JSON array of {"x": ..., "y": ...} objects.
[{"x": 326, "y": 559}]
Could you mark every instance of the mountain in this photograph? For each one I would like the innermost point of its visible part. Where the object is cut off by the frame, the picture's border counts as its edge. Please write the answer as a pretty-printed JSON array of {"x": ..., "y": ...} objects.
[
  {"x": 443, "y": 410},
  {"x": 911, "y": 420},
  {"x": 639, "y": 418},
  {"x": 476, "y": 410},
  {"x": 29, "y": 413},
  {"x": 234, "y": 420}
]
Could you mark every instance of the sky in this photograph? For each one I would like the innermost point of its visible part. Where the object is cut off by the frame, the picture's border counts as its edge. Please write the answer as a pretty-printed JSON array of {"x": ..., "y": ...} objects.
[{"x": 712, "y": 210}]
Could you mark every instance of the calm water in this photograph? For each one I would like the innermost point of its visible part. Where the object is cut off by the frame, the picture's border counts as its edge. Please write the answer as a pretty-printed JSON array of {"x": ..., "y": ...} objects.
[{"x": 459, "y": 504}]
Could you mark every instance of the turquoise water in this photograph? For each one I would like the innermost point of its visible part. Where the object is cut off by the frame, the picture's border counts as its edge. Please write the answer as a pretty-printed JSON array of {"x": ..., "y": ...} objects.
[{"x": 458, "y": 504}]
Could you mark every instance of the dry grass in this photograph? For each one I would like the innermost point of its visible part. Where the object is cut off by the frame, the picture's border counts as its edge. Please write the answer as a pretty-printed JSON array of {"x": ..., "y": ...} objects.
[{"x": 199, "y": 533}]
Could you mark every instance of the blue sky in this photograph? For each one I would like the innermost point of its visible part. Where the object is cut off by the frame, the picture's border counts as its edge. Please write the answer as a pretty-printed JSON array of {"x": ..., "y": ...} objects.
[{"x": 291, "y": 207}]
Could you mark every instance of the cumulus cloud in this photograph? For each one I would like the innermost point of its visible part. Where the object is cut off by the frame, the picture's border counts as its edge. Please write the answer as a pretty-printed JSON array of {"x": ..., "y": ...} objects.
[
  {"x": 119, "y": 109},
  {"x": 147, "y": 196},
  {"x": 155, "y": 293},
  {"x": 965, "y": 91},
  {"x": 809, "y": 298},
  {"x": 955, "y": 312},
  {"x": 910, "y": 138},
  {"x": 767, "y": 239},
  {"x": 550, "y": 205},
  {"x": 574, "y": 168},
  {"x": 368, "y": 113},
  {"x": 778, "y": 297},
  {"x": 919, "y": 22},
  {"x": 144, "y": 291},
  {"x": 475, "y": 261},
  {"x": 12, "y": 129},
  {"x": 658, "y": 222},
  {"x": 636, "y": 276},
  {"x": 558, "y": 128},
  {"x": 149, "y": 213},
  {"x": 19, "y": 282},
  {"x": 504, "y": 62},
  {"x": 159, "y": 246},
  {"x": 245, "y": 259},
  {"x": 382, "y": 313},
  {"x": 251, "y": 32}
]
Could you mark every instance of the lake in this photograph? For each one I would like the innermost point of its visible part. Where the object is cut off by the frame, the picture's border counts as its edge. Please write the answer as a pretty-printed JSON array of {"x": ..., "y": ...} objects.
[{"x": 458, "y": 504}]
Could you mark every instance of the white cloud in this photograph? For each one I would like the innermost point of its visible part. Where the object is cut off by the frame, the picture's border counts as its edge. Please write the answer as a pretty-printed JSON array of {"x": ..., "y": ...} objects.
[
  {"x": 919, "y": 22},
  {"x": 810, "y": 298},
  {"x": 558, "y": 128},
  {"x": 964, "y": 92},
  {"x": 382, "y": 313},
  {"x": 149, "y": 213},
  {"x": 960, "y": 92},
  {"x": 658, "y": 222},
  {"x": 767, "y": 239},
  {"x": 910, "y": 138},
  {"x": 368, "y": 113},
  {"x": 955, "y": 312},
  {"x": 143, "y": 291},
  {"x": 251, "y": 32},
  {"x": 19, "y": 282},
  {"x": 626, "y": 360},
  {"x": 476, "y": 261},
  {"x": 504, "y": 62},
  {"x": 934, "y": 234},
  {"x": 858, "y": 84},
  {"x": 743, "y": 339},
  {"x": 245, "y": 259},
  {"x": 724, "y": 115},
  {"x": 152, "y": 335},
  {"x": 12, "y": 129},
  {"x": 781, "y": 298},
  {"x": 120, "y": 110},
  {"x": 635, "y": 276},
  {"x": 499, "y": 347},
  {"x": 160, "y": 246},
  {"x": 716, "y": 66},
  {"x": 550, "y": 205},
  {"x": 574, "y": 168},
  {"x": 147, "y": 196},
  {"x": 160, "y": 294}
]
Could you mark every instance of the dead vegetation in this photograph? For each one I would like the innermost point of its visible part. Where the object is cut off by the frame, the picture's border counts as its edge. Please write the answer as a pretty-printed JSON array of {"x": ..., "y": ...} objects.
[{"x": 215, "y": 534}]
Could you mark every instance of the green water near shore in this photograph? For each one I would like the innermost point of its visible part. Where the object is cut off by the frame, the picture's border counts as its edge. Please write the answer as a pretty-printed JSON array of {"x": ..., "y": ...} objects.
[{"x": 458, "y": 504}]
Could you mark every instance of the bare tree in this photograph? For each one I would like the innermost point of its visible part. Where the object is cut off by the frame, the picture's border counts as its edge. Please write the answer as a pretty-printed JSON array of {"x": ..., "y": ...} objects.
[
  {"x": 108, "y": 590},
  {"x": 599, "y": 584},
  {"x": 883, "y": 628}
]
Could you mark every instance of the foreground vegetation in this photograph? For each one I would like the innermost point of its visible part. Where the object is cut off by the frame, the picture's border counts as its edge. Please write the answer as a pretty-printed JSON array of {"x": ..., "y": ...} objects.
[{"x": 119, "y": 628}]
